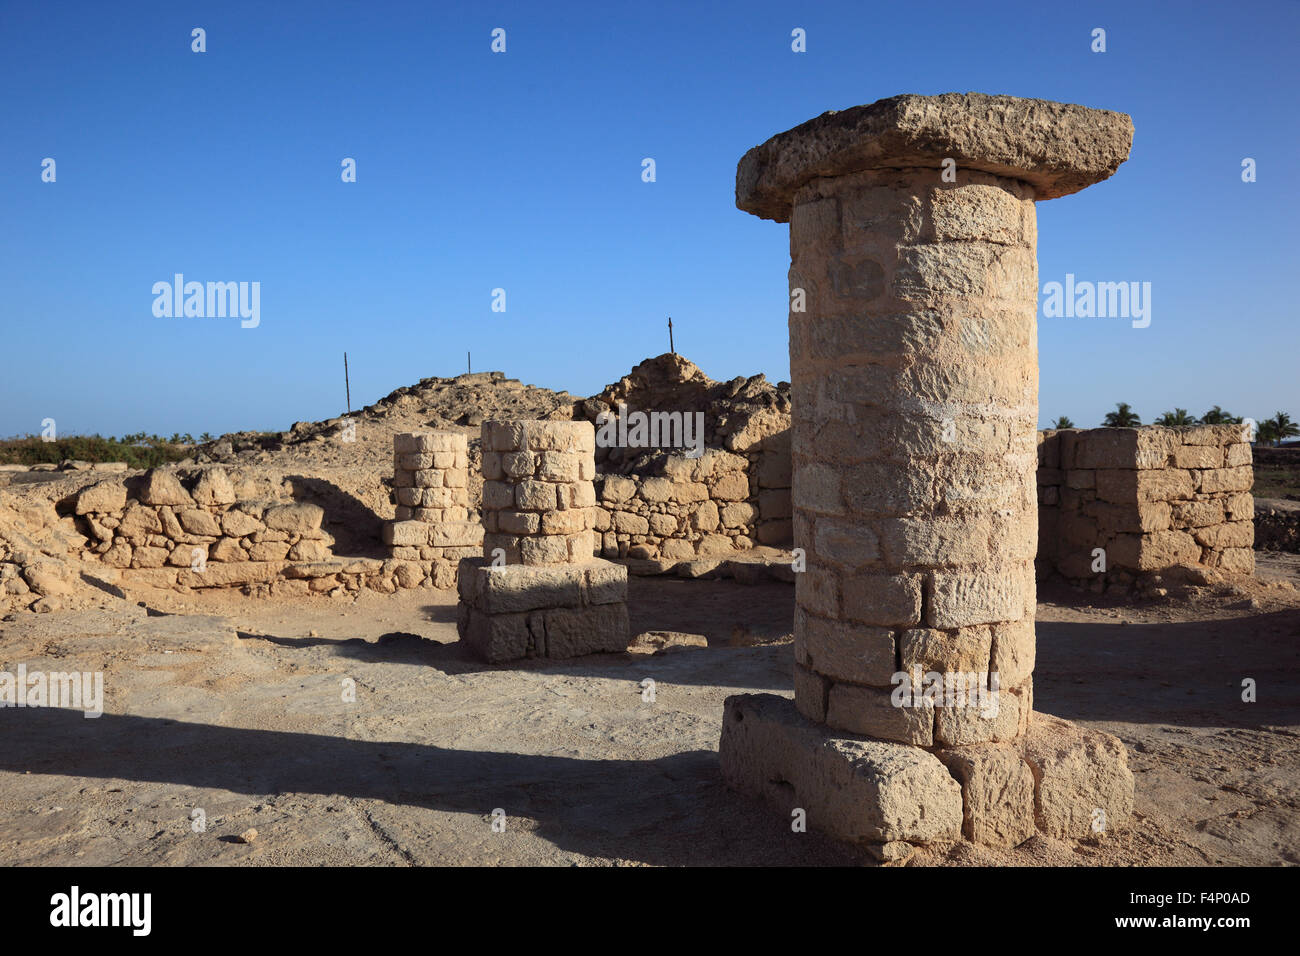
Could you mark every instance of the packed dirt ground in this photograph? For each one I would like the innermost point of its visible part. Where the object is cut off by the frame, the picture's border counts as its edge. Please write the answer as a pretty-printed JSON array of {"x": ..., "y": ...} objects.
[{"x": 233, "y": 707}]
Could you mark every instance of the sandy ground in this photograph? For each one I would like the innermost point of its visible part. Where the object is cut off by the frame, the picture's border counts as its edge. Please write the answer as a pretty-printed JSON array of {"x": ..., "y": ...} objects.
[{"x": 236, "y": 708}]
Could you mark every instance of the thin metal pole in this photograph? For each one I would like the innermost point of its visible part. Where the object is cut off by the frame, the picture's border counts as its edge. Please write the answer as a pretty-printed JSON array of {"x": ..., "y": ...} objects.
[{"x": 347, "y": 386}]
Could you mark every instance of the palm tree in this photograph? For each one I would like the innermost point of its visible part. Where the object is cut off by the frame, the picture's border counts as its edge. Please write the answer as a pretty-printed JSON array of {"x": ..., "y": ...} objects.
[
  {"x": 205, "y": 437},
  {"x": 1178, "y": 418},
  {"x": 1281, "y": 427},
  {"x": 1266, "y": 432},
  {"x": 1064, "y": 422},
  {"x": 1122, "y": 417},
  {"x": 1217, "y": 416}
]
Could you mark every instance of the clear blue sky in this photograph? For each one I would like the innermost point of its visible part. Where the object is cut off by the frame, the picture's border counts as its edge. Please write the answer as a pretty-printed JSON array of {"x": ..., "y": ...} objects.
[{"x": 523, "y": 171}]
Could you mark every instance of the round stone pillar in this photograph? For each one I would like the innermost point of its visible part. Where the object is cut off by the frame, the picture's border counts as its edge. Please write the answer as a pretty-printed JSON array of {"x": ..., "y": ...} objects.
[{"x": 913, "y": 365}]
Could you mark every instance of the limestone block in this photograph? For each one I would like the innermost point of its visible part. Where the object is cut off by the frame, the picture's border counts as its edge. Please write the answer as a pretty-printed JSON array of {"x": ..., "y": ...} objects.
[
  {"x": 656, "y": 489},
  {"x": 230, "y": 575},
  {"x": 1235, "y": 534},
  {"x": 496, "y": 638},
  {"x": 997, "y": 793},
  {"x": 706, "y": 517},
  {"x": 427, "y": 478},
  {"x": 886, "y": 600},
  {"x": 516, "y": 588},
  {"x": 1013, "y": 652},
  {"x": 139, "y": 521},
  {"x": 853, "y": 789},
  {"x": 456, "y": 534},
  {"x": 1237, "y": 560},
  {"x": 544, "y": 549},
  {"x": 627, "y": 523},
  {"x": 1076, "y": 773},
  {"x": 1220, "y": 480},
  {"x": 413, "y": 443},
  {"x": 714, "y": 544},
  {"x": 994, "y": 717},
  {"x": 309, "y": 550},
  {"x": 163, "y": 488},
  {"x": 106, "y": 497},
  {"x": 519, "y": 522},
  {"x": 227, "y": 549},
  {"x": 870, "y": 711},
  {"x": 1238, "y": 454},
  {"x": 194, "y": 521},
  {"x": 844, "y": 652},
  {"x": 271, "y": 551},
  {"x": 570, "y": 521},
  {"x": 1056, "y": 148},
  {"x": 297, "y": 517},
  {"x": 533, "y": 495},
  {"x": 936, "y": 541},
  {"x": 519, "y": 464},
  {"x": 573, "y": 632},
  {"x": 409, "y": 533},
  {"x": 617, "y": 489},
  {"x": 214, "y": 488},
  {"x": 731, "y": 487},
  {"x": 1166, "y": 549},
  {"x": 1196, "y": 514},
  {"x": 962, "y": 598},
  {"x": 1198, "y": 456},
  {"x": 967, "y": 649}
]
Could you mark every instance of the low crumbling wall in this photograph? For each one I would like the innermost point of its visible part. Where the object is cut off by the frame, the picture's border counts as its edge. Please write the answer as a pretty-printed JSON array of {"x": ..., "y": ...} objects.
[
  {"x": 162, "y": 533},
  {"x": 682, "y": 508},
  {"x": 1150, "y": 499},
  {"x": 201, "y": 528}
]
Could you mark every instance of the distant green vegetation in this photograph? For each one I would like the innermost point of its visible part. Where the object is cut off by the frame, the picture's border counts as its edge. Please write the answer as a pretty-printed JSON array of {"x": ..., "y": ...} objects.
[{"x": 138, "y": 451}]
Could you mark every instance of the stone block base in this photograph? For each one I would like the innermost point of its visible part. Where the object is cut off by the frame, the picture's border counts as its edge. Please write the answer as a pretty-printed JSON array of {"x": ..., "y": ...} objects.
[
  {"x": 859, "y": 790},
  {"x": 1060, "y": 779},
  {"x": 506, "y": 613}
]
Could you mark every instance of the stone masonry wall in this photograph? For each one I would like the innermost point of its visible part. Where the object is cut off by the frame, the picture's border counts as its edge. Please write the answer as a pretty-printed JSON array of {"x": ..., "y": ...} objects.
[
  {"x": 1153, "y": 498},
  {"x": 434, "y": 529},
  {"x": 693, "y": 506},
  {"x": 161, "y": 533},
  {"x": 677, "y": 507},
  {"x": 538, "y": 499}
]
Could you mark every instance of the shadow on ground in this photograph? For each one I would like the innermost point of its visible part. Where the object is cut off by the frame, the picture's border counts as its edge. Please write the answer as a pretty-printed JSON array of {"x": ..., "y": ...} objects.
[{"x": 671, "y": 811}]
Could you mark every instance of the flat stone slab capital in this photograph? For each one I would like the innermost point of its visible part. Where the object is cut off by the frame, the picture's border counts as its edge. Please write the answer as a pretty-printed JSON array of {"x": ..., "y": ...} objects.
[{"x": 1057, "y": 148}]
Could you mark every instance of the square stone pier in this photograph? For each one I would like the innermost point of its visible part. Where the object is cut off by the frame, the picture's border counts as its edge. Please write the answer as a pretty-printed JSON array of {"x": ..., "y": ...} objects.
[
  {"x": 433, "y": 530},
  {"x": 913, "y": 366},
  {"x": 538, "y": 590}
]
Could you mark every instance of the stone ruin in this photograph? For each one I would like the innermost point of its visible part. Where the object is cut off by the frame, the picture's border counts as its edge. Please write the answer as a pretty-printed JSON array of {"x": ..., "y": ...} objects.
[
  {"x": 434, "y": 527},
  {"x": 538, "y": 591},
  {"x": 1151, "y": 499},
  {"x": 915, "y": 396}
]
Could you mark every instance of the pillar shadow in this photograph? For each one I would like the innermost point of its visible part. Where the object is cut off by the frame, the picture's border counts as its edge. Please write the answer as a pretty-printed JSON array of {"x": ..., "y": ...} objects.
[
  {"x": 671, "y": 811},
  {"x": 1185, "y": 673}
]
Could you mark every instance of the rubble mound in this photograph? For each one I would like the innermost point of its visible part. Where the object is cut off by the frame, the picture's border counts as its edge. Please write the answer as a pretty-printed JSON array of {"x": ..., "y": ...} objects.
[{"x": 738, "y": 414}]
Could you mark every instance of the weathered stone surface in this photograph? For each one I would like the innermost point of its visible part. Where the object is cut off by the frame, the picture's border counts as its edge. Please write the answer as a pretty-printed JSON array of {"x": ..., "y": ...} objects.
[
  {"x": 1058, "y": 148},
  {"x": 573, "y": 632},
  {"x": 997, "y": 793},
  {"x": 107, "y": 497},
  {"x": 297, "y": 517},
  {"x": 1077, "y": 772},
  {"x": 214, "y": 487},
  {"x": 195, "y": 521},
  {"x": 853, "y": 789},
  {"x": 160, "y": 487},
  {"x": 406, "y": 533},
  {"x": 870, "y": 711},
  {"x": 237, "y": 524}
]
